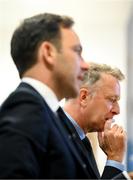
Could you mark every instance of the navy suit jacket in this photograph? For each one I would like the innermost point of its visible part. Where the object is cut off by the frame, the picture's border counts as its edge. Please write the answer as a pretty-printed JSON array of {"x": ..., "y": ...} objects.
[
  {"x": 109, "y": 171},
  {"x": 35, "y": 144}
]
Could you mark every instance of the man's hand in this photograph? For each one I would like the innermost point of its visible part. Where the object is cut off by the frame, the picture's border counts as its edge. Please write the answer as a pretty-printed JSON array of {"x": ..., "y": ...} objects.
[
  {"x": 130, "y": 174},
  {"x": 113, "y": 141}
]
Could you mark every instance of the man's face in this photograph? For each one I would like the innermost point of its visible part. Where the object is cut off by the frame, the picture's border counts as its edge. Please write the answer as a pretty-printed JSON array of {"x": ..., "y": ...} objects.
[
  {"x": 70, "y": 64},
  {"x": 102, "y": 104}
]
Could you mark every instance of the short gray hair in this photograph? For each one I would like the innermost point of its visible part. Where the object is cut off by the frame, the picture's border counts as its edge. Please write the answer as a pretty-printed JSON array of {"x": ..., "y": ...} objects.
[{"x": 96, "y": 70}]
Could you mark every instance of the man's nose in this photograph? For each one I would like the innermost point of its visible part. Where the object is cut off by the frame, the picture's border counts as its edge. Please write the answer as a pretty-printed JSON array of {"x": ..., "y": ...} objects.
[
  {"x": 84, "y": 66},
  {"x": 116, "y": 109}
]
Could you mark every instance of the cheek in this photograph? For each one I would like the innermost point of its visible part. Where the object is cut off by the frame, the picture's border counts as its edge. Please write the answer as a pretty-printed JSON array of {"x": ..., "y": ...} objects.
[
  {"x": 101, "y": 109},
  {"x": 74, "y": 61},
  {"x": 109, "y": 106}
]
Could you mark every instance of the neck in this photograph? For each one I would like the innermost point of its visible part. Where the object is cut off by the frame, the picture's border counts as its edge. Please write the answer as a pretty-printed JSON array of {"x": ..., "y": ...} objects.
[
  {"x": 73, "y": 109},
  {"x": 37, "y": 72}
]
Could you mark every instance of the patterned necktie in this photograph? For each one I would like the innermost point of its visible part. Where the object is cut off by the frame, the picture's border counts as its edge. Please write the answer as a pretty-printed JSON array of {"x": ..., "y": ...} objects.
[{"x": 88, "y": 147}]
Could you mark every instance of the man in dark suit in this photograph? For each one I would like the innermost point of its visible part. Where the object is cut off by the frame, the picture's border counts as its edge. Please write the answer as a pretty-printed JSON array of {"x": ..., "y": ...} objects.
[
  {"x": 33, "y": 141},
  {"x": 93, "y": 111}
]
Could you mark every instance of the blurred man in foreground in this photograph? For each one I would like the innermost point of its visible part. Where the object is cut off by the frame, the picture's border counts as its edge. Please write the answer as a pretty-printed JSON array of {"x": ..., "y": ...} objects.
[{"x": 33, "y": 142}]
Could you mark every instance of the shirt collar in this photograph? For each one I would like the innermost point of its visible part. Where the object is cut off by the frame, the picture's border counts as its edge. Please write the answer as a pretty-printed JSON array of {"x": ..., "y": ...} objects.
[
  {"x": 44, "y": 91},
  {"x": 77, "y": 127}
]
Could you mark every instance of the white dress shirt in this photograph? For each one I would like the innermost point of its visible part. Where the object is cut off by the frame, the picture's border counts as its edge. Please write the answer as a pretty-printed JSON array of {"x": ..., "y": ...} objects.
[{"x": 44, "y": 91}]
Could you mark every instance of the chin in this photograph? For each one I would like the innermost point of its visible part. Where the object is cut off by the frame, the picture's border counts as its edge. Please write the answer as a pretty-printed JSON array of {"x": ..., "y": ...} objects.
[
  {"x": 73, "y": 93},
  {"x": 100, "y": 129}
]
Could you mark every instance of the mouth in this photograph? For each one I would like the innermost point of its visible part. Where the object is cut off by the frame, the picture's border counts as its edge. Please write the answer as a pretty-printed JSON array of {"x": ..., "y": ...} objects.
[
  {"x": 113, "y": 120},
  {"x": 81, "y": 77},
  {"x": 107, "y": 118}
]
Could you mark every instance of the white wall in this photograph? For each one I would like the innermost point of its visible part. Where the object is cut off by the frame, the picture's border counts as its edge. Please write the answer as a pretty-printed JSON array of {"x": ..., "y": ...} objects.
[{"x": 101, "y": 25}]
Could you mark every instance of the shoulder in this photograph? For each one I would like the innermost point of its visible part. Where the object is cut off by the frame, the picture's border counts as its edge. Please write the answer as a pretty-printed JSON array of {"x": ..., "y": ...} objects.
[
  {"x": 24, "y": 97},
  {"x": 25, "y": 112}
]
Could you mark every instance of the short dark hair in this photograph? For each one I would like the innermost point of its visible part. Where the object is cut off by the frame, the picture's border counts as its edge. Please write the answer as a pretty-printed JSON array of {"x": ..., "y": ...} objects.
[{"x": 31, "y": 33}]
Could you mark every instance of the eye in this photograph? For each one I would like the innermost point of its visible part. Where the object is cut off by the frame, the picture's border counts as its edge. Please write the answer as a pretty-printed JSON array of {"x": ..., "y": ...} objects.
[
  {"x": 78, "y": 50},
  {"x": 113, "y": 100}
]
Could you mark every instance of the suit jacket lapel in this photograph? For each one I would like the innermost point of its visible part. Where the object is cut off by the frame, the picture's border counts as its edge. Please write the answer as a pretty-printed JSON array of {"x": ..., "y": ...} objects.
[
  {"x": 78, "y": 143},
  {"x": 68, "y": 140}
]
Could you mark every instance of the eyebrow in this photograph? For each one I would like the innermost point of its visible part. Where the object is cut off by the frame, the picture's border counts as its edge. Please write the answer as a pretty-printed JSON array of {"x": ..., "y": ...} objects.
[{"x": 115, "y": 96}]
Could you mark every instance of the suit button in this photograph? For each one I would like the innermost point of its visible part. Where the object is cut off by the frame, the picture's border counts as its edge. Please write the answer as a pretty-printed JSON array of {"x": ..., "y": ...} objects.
[
  {"x": 84, "y": 166},
  {"x": 74, "y": 135},
  {"x": 69, "y": 137}
]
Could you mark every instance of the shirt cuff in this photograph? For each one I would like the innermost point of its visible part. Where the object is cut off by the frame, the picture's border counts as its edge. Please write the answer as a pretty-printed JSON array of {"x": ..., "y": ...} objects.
[
  {"x": 126, "y": 175},
  {"x": 115, "y": 164}
]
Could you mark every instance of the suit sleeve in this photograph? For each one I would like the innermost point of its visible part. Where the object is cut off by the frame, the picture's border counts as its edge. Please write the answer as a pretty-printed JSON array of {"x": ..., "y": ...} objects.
[
  {"x": 22, "y": 148},
  {"x": 112, "y": 173},
  {"x": 17, "y": 157}
]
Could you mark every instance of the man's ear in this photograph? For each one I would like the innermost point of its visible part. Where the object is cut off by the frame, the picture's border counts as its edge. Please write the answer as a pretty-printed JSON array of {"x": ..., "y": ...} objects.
[
  {"x": 83, "y": 95},
  {"x": 48, "y": 53}
]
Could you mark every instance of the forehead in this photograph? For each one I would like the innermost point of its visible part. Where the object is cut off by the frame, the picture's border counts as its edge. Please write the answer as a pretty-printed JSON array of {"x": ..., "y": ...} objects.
[
  {"x": 68, "y": 35},
  {"x": 109, "y": 85}
]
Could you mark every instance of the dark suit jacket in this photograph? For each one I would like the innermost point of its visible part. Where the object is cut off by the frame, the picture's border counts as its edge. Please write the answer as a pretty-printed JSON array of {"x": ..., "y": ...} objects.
[
  {"x": 109, "y": 171},
  {"x": 35, "y": 144}
]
